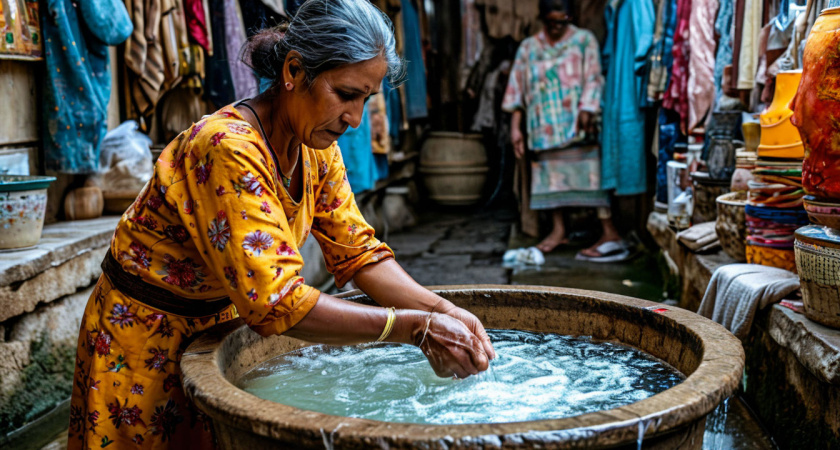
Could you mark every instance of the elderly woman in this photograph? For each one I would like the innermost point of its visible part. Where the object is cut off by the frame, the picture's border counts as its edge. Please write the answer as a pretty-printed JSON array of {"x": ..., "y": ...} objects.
[
  {"x": 216, "y": 232},
  {"x": 555, "y": 85}
]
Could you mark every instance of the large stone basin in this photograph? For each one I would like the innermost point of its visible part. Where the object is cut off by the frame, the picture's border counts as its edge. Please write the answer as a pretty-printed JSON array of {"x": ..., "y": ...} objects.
[{"x": 710, "y": 357}]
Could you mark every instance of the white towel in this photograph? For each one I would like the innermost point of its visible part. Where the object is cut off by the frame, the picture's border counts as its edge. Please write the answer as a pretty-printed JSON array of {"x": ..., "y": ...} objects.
[{"x": 736, "y": 291}]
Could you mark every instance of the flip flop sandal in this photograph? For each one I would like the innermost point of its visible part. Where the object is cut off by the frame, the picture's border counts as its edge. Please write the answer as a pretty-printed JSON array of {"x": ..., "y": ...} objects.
[{"x": 612, "y": 251}]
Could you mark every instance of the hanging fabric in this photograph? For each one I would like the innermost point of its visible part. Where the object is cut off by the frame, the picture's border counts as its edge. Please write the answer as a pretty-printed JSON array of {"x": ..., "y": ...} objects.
[
  {"x": 415, "y": 83},
  {"x": 701, "y": 63},
  {"x": 218, "y": 82},
  {"x": 77, "y": 85},
  {"x": 630, "y": 25},
  {"x": 197, "y": 25},
  {"x": 748, "y": 56},
  {"x": 676, "y": 96},
  {"x": 723, "y": 56},
  {"x": 355, "y": 145},
  {"x": 661, "y": 56},
  {"x": 244, "y": 80}
]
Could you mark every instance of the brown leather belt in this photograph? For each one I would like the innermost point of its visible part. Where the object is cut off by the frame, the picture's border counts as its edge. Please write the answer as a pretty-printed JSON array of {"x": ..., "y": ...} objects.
[{"x": 157, "y": 297}]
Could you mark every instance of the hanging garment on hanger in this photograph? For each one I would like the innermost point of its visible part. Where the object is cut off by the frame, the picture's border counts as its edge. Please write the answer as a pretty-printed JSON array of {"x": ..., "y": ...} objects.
[
  {"x": 197, "y": 23},
  {"x": 661, "y": 57},
  {"x": 750, "y": 39},
  {"x": 218, "y": 82},
  {"x": 77, "y": 85},
  {"x": 356, "y": 150}
]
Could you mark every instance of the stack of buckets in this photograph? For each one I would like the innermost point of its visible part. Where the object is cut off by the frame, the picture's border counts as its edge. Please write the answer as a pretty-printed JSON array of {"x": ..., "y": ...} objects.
[{"x": 775, "y": 201}]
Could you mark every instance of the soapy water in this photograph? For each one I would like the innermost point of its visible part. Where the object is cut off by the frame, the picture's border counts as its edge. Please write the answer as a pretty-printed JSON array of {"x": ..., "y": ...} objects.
[{"x": 535, "y": 377}]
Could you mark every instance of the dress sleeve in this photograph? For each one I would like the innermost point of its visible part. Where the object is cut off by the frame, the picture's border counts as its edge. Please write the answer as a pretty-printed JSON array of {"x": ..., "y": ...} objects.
[
  {"x": 243, "y": 234},
  {"x": 590, "y": 99},
  {"x": 515, "y": 92},
  {"x": 346, "y": 239}
]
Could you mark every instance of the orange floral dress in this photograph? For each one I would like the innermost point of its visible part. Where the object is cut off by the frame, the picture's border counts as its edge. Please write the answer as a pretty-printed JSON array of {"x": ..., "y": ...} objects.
[{"x": 213, "y": 222}]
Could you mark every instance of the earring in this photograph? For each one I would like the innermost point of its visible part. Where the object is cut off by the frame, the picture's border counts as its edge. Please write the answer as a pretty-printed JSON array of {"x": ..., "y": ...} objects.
[{"x": 289, "y": 86}]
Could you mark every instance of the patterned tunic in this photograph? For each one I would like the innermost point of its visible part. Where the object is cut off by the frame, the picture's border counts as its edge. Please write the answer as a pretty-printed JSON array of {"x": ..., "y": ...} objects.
[
  {"x": 553, "y": 83},
  {"x": 213, "y": 222}
]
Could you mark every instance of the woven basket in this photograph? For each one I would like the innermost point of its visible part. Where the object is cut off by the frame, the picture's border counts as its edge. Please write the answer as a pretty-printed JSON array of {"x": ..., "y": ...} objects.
[
  {"x": 818, "y": 262},
  {"x": 706, "y": 192},
  {"x": 731, "y": 226}
]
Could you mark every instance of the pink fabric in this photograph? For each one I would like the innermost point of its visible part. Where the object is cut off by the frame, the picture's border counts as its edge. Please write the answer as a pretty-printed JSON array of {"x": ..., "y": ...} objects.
[
  {"x": 244, "y": 80},
  {"x": 676, "y": 97},
  {"x": 197, "y": 23},
  {"x": 701, "y": 64}
]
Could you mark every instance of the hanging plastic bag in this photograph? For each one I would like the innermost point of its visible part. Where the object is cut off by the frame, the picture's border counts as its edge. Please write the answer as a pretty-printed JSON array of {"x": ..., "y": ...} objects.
[{"x": 125, "y": 160}]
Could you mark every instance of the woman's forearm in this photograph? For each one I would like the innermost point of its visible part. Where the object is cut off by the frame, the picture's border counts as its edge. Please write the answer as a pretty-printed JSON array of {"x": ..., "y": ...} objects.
[
  {"x": 340, "y": 322},
  {"x": 389, "y": 285},
  {"x": 516, "y": 120}
]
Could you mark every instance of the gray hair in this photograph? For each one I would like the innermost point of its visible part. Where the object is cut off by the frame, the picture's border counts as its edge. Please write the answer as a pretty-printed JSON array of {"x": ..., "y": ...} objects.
[{"x": 327, "y": 34}]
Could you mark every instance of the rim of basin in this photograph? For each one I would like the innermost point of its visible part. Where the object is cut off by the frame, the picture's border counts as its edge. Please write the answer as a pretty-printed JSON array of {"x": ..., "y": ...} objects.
[{"x": 713, "y": 380}]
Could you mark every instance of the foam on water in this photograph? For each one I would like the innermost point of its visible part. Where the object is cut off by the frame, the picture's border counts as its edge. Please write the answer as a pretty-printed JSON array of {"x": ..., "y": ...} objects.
[{"x": 536, "y": 376}]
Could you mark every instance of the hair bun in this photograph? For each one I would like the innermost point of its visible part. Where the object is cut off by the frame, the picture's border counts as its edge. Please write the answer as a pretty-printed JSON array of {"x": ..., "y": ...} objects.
[{"x": 260, "y": 52}]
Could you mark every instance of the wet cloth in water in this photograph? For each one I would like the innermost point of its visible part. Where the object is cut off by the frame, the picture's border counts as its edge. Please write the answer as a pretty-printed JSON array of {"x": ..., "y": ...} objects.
[
  {"x": 567, "y": 177},
  {"x": 736, "y": 291},
  {"x": 214, "y": 221}
]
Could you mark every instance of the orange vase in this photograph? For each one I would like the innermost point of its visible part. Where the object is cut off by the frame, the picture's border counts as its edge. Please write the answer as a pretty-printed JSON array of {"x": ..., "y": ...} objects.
[
  {"x": 817, "y": 108},
  {"x": 779, "y": 138}
]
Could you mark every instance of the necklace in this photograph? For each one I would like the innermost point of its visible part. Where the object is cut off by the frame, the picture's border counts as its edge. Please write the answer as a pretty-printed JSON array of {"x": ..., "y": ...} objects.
[{"x": 287, "y": 181}]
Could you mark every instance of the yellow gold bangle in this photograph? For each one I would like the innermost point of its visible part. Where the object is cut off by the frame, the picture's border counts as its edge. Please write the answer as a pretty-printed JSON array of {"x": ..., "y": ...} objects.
[{"x": 389, "y": 325}]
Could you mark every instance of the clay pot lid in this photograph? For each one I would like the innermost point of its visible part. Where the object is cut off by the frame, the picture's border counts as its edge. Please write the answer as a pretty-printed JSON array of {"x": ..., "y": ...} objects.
[{"x": 819, "y": 236}]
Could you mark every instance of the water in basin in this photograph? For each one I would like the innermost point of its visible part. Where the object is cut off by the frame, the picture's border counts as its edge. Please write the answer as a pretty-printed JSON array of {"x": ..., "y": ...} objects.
[{"x": 536, "y": 376}]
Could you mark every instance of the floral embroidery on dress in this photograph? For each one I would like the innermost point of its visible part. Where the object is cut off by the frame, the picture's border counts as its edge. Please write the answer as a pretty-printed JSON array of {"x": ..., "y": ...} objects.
[
  {"x": 196, "y": 129},
  {"x": 183, "y": 273},
  {"x": 252, "y": 294},
  {"x": 120, "y": 315},
  {"x": 285, "y": 249},
  {"x": 158, "y": 360},
  {"x": 164, "y": 420},
  {"x": 202, "y": 172},
  {"x": 188, "y": 206},
  {"x": 238, "y": 129},
  {"x": 138, "y": 255},
  {"x": 172, "y": 381},
  {"x": 145, "y": 221},
  {"x": 125, "y": 414},
  {"x": 257, "y": 241},
  {"x": 137, "y": 389},
  {"x": 230, "y": 275},
  {"x": 264, "y": 207},
  {"x": 251, "y": 183},
  {"x": 154, "y": 202},
  {"x": 220, "y": 191},
  {"x": 177, "y": 233},
  {"x": 219, "y": 231}
]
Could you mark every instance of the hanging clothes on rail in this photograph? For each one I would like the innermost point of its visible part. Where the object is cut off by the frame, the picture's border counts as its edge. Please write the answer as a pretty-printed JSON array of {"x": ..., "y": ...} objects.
[
  {"x": 77, "y": 84},
  {"x": 357, "y": 152},
  {"x": 723, "y": 56},
  {"x": 415, "y": 83},
  {"x": 676, "y": 96},
  {"x": 244, "y": 80},
  {"x": 701, "y": 62},
  {"x": 630, "y": 25}
]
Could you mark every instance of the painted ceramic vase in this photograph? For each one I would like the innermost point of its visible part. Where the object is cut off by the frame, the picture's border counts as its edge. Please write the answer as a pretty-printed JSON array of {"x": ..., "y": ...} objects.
[
  {"x": 779, "y": 138},
  {"x": 23, "y": 201},
  {"x": 817, "y": 108}
]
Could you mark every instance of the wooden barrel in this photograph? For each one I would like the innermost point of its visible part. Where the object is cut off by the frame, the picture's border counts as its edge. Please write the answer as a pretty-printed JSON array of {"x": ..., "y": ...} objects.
[{"x": 454, "y": 167}]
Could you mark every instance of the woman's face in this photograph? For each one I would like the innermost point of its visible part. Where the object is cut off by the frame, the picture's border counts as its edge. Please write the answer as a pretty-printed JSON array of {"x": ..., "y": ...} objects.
[
  {"x": 334, "y": 101},
  {"x": 555, "y": 24}
]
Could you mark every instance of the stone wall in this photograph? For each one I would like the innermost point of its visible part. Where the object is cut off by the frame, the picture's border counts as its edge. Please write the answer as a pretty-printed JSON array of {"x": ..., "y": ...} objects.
[{"x": 43, "y": 293}]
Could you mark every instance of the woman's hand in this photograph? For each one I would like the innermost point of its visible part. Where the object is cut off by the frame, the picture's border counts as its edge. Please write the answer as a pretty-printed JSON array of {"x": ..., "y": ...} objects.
[
  {"x": 586, "y": 122},
  {"x": 450, "y": 347},
  {"x": 518, "y": 142},
  {"x": 472, "y": 322}
]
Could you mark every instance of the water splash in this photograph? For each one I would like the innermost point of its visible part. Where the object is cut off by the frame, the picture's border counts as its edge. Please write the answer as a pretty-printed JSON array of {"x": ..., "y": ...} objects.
[{"x": 535, "y": 376}]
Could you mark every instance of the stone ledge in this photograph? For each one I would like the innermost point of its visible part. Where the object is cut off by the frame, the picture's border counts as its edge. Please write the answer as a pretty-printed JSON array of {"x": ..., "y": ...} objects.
[
  {"x": 60, "y": 242},
  {"x": 815, "y": 346}
]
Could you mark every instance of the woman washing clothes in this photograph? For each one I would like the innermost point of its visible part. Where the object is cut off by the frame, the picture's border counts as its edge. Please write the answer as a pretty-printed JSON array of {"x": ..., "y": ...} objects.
[
  {"x": 556, "y": 85},
  {"x": 216, "y": 232}
]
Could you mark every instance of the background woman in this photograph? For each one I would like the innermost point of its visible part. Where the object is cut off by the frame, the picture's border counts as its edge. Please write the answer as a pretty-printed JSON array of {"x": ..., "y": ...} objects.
[
  {"x": 215, "y": 235},
  {"x": 556, "y": 84}
]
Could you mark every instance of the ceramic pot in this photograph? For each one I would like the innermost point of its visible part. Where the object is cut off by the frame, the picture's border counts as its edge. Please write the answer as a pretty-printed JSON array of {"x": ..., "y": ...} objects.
[
  {"x": 83, "y": 203},
  {"x": 23, "y": 201},
  {"x": 822, "y": 213},
  {"x": 706, "y": 192},
  {"x": 818, "y": 261},
  {"x": 779, "y": 137},
  {"x": 454, "y": 167},
  {"x": 816, "y": 106}
]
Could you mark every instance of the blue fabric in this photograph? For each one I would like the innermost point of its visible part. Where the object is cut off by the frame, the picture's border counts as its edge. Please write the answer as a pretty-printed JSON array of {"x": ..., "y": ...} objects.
[
  {"x": 393, "y": 108},
  {"x": 357, "y": 151},
  {"x": 415, "y": 83},
  {"x": 78, "y": 81},
  {"x": 381, "y": 162},
  {"x": 630, "y": 26},
  {"x": 670, "y": 27},
  {"x": 723, "y": 57},
  {"x": 669, "y": 134}
]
